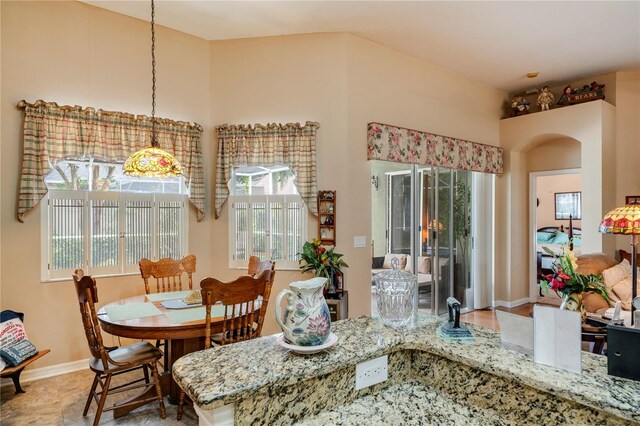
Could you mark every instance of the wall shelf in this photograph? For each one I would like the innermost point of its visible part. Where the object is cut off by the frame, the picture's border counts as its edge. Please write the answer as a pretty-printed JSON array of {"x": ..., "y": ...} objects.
[{"x": 327, "y": 217}]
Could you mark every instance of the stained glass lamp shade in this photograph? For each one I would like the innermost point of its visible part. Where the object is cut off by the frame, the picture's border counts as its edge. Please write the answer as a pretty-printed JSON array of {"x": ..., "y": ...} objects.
[
  {"x": 152, "y": 162},
  {"x": 626, "y": 220}
]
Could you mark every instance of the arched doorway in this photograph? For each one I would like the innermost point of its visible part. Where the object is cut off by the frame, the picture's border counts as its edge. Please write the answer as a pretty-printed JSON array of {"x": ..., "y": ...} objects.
[
  {"x": 554, "y": 167},
  {"x": 592, "y": 126}
]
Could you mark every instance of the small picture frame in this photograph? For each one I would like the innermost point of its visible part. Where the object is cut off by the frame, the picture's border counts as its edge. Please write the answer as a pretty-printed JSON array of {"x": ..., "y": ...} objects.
[
  {"x": 568, "y": 204},
  {"x": 632, "y": 199}
]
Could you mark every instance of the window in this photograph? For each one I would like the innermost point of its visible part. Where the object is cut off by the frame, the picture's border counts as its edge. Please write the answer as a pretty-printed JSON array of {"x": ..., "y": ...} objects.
[
  {"x": 97, "y": 219},
  {"x": 568, "y": 205},
  {"x": 267, "y": 217}
]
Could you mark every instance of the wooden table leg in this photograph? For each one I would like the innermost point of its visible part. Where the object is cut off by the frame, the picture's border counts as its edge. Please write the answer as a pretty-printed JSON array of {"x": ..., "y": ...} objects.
[{"x": 177, "y": 349}]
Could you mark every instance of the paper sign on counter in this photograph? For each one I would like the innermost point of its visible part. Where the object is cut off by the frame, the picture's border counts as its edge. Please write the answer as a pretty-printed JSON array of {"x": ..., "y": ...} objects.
[{"x": 557, "y": 337}]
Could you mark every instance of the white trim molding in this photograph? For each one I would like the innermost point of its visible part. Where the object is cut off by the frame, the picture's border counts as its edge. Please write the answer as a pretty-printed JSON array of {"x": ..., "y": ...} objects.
[
  {"x": 512, "y": 304},
  {"x": 50, "y": 371},
  {"x": 534, "y": 287}
]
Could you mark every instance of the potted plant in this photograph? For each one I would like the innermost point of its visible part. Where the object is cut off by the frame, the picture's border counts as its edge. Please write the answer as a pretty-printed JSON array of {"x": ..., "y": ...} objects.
[{"x": 322, "y": 262}]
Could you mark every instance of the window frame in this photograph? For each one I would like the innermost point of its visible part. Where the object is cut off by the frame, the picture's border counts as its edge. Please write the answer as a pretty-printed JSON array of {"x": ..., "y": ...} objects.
[
  {"x": 121, "y": 268},
  {"x": 290, "y": 265}
]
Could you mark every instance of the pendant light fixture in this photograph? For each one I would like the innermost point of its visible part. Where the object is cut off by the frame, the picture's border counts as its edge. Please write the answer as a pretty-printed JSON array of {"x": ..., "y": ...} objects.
[{"x": 152, "y": 161}]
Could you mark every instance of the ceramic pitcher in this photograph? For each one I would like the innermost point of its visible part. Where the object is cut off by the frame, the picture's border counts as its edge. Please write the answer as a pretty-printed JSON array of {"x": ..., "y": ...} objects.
[{"x": 305, "y": 320}]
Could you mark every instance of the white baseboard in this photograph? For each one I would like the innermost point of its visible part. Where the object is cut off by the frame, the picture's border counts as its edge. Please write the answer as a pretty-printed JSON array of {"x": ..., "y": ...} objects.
[
  {"x": 50, "y": 371},
  {"x": 512, "y": 304}
]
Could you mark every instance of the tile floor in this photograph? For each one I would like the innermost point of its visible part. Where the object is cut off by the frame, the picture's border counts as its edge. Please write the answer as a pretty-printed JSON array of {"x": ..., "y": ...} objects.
[{"x": 60, "y": 400}]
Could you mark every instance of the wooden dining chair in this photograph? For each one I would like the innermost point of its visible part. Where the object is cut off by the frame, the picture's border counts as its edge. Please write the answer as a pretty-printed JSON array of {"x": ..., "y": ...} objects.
[
  {"x": 107, "y": 362},
  {"x": 256, "y": 267},
  {"x": 243, "y": 312},
  {"x": 167, "y": 273}
]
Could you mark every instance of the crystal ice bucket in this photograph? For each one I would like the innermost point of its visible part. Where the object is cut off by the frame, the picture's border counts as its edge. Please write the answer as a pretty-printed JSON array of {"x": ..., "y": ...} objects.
[{"x": 395, "y": 294}]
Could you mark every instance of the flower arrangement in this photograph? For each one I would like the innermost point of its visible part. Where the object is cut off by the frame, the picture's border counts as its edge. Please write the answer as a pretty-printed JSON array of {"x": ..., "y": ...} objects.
[
  {"x": 323, "y": 262},
  {"x": 567, "y": 282}
]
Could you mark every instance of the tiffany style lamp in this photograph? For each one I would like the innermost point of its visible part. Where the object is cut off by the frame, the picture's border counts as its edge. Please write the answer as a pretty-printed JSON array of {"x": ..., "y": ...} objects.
[{"x": 626, "y": 220}]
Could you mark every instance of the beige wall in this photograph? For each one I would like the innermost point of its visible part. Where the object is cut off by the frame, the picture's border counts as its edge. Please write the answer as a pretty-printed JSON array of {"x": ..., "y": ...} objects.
[
  {"x": 283, "y": 80},
  {"x": 555, "y": 154},
  {"x": 627, "y": 166},
  {"x": 72, "y": 53},
  {"x": 394, "y": 88},
  {"x": 593, "y": 124},
  {"x": 546, "y": 187},
  {"x": 343, "y": 82}
]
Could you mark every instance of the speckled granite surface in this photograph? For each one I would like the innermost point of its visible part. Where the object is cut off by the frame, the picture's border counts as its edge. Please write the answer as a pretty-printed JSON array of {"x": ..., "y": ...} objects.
[
  {"x": 274, "y": 406},
  {"x": 254, "y": 372},
  {"x": 406, "y": 404}
]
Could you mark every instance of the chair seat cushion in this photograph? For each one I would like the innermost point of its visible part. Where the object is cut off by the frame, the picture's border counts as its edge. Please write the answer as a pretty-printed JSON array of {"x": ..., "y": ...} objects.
[{"x": 132, "y": 355}]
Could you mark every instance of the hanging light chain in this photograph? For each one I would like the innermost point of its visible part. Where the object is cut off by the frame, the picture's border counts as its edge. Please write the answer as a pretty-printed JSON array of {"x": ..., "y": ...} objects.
[{"x": 154, "y": 141}]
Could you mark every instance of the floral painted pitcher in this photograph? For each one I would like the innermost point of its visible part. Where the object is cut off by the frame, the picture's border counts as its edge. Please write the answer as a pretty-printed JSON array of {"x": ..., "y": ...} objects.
[{"x": 305, "y": 320}]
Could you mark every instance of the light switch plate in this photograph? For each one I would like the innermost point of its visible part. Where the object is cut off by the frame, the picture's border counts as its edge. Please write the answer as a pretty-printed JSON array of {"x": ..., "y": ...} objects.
[
  {"x": 371, "y": 372},
  {"x": 359, "y": 242}
]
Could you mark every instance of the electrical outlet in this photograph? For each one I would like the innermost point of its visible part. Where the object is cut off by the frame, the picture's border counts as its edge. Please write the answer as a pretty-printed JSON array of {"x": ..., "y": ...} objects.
[{"x": 371, "y": 372}]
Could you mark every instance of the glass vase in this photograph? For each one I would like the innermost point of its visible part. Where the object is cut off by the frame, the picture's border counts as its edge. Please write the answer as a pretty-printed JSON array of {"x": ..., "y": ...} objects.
[{"x": 573, "y": 302}]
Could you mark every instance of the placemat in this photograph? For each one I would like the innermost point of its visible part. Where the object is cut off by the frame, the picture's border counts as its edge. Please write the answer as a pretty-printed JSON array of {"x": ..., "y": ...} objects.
[
  {"x": 131, "y": 311},
  {"x": 170, "y": 295},
  {"x": 179, "y": 304},
  {"x": 195, "y": 314}
]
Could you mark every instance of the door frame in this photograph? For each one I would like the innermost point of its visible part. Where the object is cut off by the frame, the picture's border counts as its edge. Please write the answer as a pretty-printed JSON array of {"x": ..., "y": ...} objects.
[{"x": 533, "y": 187}]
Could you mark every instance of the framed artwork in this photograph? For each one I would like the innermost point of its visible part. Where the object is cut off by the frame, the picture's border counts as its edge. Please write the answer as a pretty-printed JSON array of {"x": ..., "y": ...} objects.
[
  {"x": 568, "y": 204},
  {"x": 629, "y": 199}
]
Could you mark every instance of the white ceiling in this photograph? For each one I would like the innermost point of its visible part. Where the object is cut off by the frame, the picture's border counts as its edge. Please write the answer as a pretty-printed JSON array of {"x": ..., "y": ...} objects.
[{"x": 496, "y": 43}]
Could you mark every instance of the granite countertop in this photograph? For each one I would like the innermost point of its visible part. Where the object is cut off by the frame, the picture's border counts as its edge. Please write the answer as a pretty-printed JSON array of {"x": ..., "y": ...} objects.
[{"x": 223, "y": 375}]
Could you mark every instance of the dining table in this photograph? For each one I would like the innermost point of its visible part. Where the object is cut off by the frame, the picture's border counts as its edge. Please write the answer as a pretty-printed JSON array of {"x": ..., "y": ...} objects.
[{"x": 146, "y": 317}]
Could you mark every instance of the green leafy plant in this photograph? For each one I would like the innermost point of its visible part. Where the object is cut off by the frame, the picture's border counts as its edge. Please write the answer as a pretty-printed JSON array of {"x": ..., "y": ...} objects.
[
  {"x": 319, "y": 260},
  {"x": 462, "y": 217}
]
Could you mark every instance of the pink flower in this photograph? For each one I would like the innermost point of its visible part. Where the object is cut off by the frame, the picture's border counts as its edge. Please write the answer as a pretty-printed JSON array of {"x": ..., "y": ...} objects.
[{"x": 318, "y": 325}]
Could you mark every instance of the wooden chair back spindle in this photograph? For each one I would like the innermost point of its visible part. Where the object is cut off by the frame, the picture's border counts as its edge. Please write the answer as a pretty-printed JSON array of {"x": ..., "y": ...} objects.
[
  {"x": 256, "y": 267},
  {"x": 87, "y": 292},
  {"x": 241, "y": 320},
  {"x": 167, "y": 273}
]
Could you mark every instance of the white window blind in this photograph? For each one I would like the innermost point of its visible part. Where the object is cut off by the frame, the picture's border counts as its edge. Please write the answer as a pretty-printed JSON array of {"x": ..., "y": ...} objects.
[
  {"x": 107, "y": 233},
  {"x": 268, "y": 226}
]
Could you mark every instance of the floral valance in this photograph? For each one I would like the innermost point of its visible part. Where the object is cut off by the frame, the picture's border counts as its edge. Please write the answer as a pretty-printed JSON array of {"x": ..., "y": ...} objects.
[
  {"x": 55, "y": 133},
  {"x": 292, "y": 145},
  {"x": 400, "y": 145}
]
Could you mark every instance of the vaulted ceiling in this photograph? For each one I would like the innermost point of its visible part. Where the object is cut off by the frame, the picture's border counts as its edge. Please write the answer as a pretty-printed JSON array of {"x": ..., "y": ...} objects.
[{"x": 496, "y": 43}]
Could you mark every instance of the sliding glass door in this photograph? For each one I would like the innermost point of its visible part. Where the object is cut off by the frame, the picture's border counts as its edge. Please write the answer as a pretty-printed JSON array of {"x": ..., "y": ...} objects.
[
  {"x": 428, "y": 215},
  {"x": 399, "y": 215}
]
